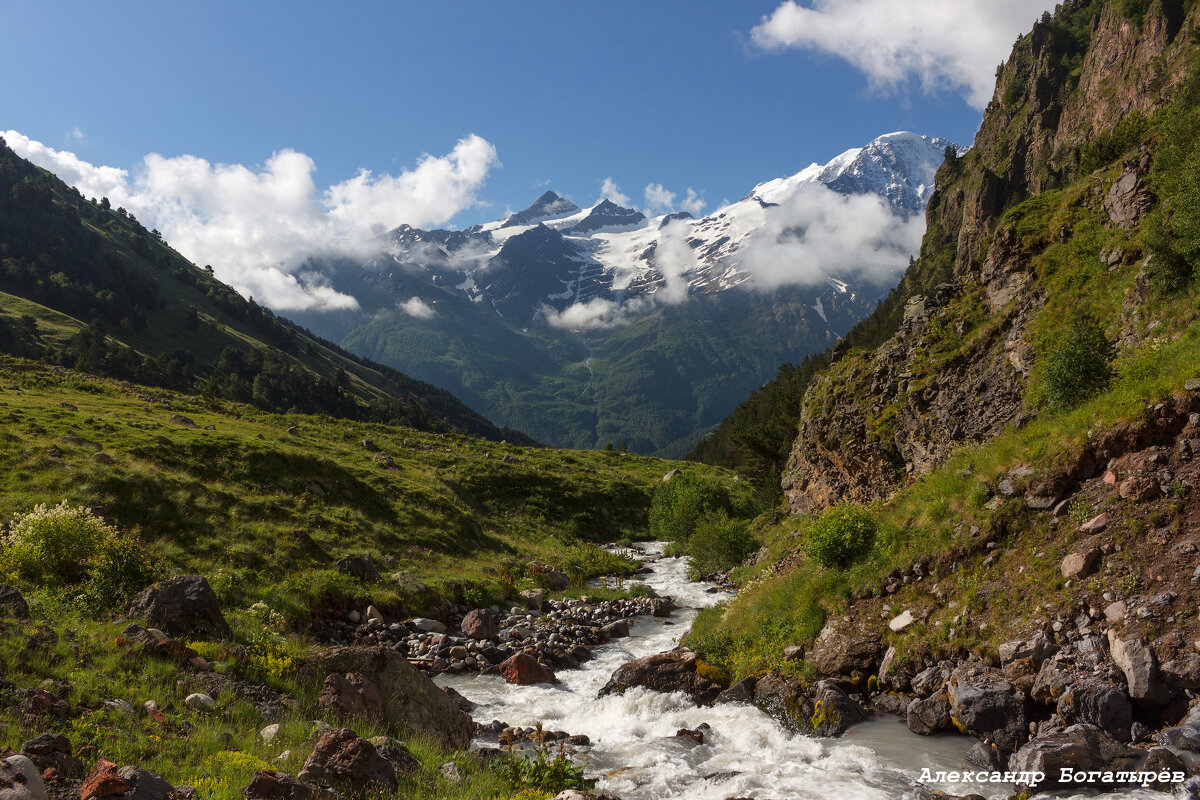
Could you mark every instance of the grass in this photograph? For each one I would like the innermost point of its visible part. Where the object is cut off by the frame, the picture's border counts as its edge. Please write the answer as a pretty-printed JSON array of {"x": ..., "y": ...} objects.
[{"x": 263, "y": 505}]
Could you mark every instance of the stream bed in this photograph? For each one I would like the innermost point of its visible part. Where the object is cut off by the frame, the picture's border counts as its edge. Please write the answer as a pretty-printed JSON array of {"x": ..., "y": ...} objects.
[{"x": 636, "y": 755}]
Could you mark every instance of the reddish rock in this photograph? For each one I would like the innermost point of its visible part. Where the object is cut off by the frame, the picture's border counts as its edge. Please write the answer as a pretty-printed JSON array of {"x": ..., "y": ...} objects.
[
  {"x": 523, "y": 670},
  {"x": 479, "y": 623},
  {"x": 351, "y": 697},
  {"x": 342, "y": 759},
  {"x": 103, "y": 782},
  {"x": 271, "y": 785}
]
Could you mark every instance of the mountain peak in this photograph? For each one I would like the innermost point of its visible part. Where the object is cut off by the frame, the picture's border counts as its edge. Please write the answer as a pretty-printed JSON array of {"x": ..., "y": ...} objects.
[
  {"x": 607, "y": 214},
  {"x": 548, "y": 205}
]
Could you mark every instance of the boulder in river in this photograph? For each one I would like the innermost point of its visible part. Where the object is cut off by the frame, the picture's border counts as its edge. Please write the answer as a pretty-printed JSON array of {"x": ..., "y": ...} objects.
[
  {"x": 1079, "y": 747},
  {"x": 825, "y": 711},
  {"x": 672, "y": 671},
  {"x": 524, "y": 670},
  {"x": 986, "y": 705}
]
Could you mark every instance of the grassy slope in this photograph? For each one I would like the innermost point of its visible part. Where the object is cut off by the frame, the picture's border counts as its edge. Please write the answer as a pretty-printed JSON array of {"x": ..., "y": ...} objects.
[
  {"x": 460, "y": 513},
  {"x": 64, "y": 239}
]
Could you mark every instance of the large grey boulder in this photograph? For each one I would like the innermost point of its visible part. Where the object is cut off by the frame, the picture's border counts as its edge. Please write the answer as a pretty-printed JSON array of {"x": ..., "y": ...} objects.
[
  {"x": 1140, "y": 666},
  {"x": 672, "y": 671},
  {"x": 184, "y": 607},
  {"x": 929, "y": 715},
  {"x": 1079, "y": 747},
  {"x": 986, "y": 705},
  {"x": 842, "y": 649},
  {"x": 409, "y": 698},
  {"x": 827, "y": 711},
  {"x": 20, "y": 780},
  {"x": 1098, "y": 702}
]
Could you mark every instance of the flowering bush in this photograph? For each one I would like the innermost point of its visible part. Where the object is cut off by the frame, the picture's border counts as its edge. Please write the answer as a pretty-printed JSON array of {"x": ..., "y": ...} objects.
[{"x": 53, "y": 546}]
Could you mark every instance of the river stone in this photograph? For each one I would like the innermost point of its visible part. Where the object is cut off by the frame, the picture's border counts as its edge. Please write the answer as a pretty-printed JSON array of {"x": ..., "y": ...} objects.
[
  {"x": 1079, "y": 747},
  {"x": 986, "y": 705},
  {"x": 1097, "y": 702},
  {"x": 428, "y": 625},
  {"x": 740, "y": 692},
  {"x": 410, "y": 699},
  {"x": 524, "y": 670},
  {"x": 828, "y": 712},
  {"x": 479, "y": 623},
  {"x": 930, "y": 715},
  {"x": 534, "y": 598},
  {"x": 672, "y": 671}
]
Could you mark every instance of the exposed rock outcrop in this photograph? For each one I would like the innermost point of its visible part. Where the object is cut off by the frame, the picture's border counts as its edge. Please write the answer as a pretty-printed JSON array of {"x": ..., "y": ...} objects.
[{"x": 185, "y": 606}]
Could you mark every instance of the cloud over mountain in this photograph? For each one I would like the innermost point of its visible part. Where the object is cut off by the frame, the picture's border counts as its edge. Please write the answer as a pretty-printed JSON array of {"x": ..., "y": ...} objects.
[
  {"x": 259, "y": 226},
  {"x": 947, "y": 45}
]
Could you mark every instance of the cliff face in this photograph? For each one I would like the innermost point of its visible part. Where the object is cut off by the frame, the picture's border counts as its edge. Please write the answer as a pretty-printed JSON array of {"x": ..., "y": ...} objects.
[{"x": 956, "y": 371}]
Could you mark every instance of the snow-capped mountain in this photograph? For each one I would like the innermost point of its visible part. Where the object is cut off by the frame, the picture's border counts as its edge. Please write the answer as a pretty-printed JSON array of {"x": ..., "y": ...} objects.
[
  {"x": 580, "y": 326},
  {"x": 554, "y": 254}
]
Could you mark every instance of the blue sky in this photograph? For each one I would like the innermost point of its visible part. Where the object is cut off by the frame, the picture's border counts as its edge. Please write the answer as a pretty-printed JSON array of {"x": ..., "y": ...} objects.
[{"x": 700, "y": 94}]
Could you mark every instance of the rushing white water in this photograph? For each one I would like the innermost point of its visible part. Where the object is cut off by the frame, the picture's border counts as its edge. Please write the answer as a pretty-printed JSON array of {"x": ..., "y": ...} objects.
[{"x": 636, "y": 755}]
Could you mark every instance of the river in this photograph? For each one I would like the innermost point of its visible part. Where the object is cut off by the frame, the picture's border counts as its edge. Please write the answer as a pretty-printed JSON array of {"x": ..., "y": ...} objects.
[{"x": 636, "y": 756}]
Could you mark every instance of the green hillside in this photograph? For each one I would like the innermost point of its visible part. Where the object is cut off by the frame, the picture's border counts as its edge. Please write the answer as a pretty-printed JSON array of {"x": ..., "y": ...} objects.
[{"x": 86, "y": 286}]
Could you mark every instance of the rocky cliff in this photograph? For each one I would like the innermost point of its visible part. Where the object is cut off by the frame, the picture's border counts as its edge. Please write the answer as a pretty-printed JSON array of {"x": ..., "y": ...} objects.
[{"x": 1057, "y": 176}]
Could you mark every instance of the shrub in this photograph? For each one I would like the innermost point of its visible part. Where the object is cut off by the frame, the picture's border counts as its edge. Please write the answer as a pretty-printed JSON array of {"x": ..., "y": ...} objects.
[
  {"x": 679, "y": 504},
  {"x": 117, "y": 572},
  {"x": 1077, "y": 366},
  {"x": 53, "y": 547},
  {"x": 719, "y": 543},
  {"x": 841, "y": 535}
]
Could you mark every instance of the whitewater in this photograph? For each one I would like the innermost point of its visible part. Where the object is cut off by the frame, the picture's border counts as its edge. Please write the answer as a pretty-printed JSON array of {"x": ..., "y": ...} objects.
[{"x": 635, "y": 754}]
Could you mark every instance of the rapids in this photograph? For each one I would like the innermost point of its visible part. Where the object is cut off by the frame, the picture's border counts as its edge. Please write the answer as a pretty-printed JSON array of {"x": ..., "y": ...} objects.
[{"x": 636, "y": 756}]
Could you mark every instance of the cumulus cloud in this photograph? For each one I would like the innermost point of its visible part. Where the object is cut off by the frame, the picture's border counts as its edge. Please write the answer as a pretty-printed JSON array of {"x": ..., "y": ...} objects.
[
  {"x": 597, "y": 314},
  {"x": 259, "y": 227},
  {"x": 660, "y": 200},
  {"x": 417, "y": 308},
  {"x": 818, "y": 233},
  {"x": 610, "y": 191},
  {"x": 948, "y": 45}
]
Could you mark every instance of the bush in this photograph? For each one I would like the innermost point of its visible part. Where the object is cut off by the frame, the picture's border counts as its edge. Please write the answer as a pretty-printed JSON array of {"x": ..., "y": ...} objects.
[
  {"x": 718, "y": 543},
  {"x": 54, "y": 547},
  {"x": 1077, "y": 366},
  {"x": 842, "y": 534},
  {"x": 117, "y": 572},
  {"x": 679, "y": 505}
]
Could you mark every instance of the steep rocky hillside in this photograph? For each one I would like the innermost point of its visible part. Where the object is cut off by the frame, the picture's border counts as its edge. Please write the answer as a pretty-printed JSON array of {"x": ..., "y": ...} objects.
[{"x": 1044, "y": 212}]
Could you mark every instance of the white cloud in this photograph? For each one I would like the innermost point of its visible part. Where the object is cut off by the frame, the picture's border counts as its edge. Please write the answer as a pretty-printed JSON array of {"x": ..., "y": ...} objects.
[
  {"x": 597, "y": 314},
  {"x": 674, "y": 258},
  {"x": 946, "y": 44},
  {"x": 417, "y": 308},
  {"x": 694, "y": 202},
  {"x": 659, "y": 199},
  {"x": 259, "y": 226},
  {"x": 76, "y": 135},
  {"x": 610, "y": 191},
  {"x": 817, "y": 233}
]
